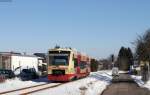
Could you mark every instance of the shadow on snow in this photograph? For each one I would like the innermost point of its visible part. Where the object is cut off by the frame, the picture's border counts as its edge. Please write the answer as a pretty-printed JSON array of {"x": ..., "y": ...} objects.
[{"x": 107, "y": 78}]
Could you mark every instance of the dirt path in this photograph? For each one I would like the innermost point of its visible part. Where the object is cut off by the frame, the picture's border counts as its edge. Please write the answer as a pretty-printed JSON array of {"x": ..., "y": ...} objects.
[{"x": 124, "y": 85}]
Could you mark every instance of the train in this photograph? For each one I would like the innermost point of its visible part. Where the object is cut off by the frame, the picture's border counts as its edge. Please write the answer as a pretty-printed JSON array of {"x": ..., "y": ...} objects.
[{"x": 66, "y": 64}]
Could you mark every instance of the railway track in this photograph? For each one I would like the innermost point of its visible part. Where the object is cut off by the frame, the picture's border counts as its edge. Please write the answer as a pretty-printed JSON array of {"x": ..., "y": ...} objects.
[
  {"x": 31, "y": 89},
  {"x": 35, "y": 88}
]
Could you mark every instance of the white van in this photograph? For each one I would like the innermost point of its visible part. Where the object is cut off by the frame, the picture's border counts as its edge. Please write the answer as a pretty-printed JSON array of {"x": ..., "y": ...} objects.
[{"x": 115, "y": 71}]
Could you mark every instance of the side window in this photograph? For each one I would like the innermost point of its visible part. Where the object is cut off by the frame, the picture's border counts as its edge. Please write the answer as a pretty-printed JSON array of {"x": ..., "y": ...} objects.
[{"x": 83, "y": 65}]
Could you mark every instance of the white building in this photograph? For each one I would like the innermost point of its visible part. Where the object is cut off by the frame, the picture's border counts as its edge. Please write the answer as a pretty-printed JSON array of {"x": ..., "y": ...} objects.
[{"x": 16, "y": 62}]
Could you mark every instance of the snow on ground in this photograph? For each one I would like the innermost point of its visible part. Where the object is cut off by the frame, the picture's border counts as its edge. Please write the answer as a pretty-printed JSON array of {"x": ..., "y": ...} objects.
[
  {"x": 147, "y": 84},
  {"x": 94, "y": 84},
  {"x": 123, "y": 72},
  {"x": 16, "y": 83},
  {"x": 138, "y": 80}
]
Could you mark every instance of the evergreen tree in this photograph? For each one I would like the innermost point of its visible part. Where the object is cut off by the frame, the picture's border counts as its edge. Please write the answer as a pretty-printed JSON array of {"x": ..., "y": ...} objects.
[
  {"x": 94, "y": 65},
  {"x": 125, "y": 58}
]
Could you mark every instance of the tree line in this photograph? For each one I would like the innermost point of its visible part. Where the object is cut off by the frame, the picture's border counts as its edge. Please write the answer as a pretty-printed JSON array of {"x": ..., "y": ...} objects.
[
  {"x": 142, "y": 52},
  {"x": 126, "y": 57}
]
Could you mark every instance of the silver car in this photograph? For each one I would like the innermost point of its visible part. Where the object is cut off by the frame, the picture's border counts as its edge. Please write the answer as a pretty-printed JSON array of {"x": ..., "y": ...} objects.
[{"x": 115, "y": 71}]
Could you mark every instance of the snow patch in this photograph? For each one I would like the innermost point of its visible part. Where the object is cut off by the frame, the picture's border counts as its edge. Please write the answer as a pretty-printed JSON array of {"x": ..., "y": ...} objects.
[
  {"x": 16, "y": 83},
  {"x": 147, "y": 84},
  {"x": 138, "y": 80},
  {"x": 94, "y": 84}
]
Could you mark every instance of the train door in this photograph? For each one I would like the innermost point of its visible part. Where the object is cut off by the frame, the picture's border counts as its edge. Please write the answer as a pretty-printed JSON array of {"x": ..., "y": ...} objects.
[{"x": 78, "y": 62}]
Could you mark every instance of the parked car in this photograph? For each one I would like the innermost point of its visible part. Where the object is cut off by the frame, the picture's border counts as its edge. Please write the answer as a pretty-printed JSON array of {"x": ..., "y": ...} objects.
[
  {"x": 115, "y": 71},
  {"x": 8, "y": 74},
  {"x": 28, "y": 74}
]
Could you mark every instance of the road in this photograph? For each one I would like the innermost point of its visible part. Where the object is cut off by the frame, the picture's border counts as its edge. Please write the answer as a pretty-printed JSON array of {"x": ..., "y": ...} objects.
[{"x": 124, "y": 85}]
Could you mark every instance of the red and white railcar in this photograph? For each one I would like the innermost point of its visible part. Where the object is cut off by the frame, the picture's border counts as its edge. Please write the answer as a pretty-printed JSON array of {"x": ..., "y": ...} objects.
[{"x": 67, "y": 64}]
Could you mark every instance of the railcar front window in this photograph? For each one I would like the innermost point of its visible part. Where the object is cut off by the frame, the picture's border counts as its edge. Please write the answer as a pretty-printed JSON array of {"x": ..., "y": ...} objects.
[{"x": 59, "y": 60}]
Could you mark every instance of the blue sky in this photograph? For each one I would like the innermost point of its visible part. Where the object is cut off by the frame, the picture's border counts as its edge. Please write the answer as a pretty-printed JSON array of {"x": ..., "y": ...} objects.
[{"x": 97, "y": 27}]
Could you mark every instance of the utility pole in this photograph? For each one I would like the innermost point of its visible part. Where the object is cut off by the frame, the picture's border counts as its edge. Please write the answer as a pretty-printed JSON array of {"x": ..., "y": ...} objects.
[{"x": 112, "y": 59}]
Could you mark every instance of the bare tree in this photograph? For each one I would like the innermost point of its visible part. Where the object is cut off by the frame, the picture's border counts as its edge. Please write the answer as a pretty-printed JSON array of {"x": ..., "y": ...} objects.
[{"x": 143, "y": 46}]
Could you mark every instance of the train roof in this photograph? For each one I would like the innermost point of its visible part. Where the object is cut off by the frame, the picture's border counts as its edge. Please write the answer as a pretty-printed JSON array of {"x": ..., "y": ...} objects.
[
  {"x": 61, "y": 49},
  {"x": 69, "y": 49}
]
